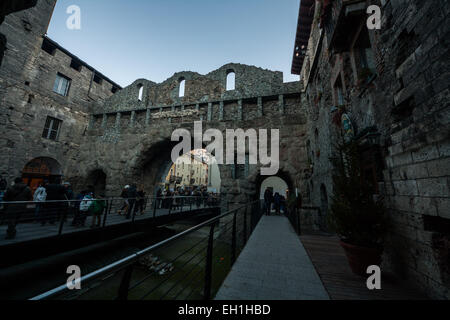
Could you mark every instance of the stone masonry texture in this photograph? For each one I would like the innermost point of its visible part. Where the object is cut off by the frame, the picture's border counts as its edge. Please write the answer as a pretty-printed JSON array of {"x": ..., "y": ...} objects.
[{"x": 402, "y": 95}]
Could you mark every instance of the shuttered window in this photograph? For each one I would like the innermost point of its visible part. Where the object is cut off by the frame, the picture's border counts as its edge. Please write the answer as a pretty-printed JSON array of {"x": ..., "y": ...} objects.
[{"x": 51, "y": 128}]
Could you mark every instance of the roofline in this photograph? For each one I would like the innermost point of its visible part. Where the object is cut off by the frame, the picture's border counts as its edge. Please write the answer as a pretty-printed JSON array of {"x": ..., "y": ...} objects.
[
  {"x": 303, "y": 34},
  {"x": 62, "y": 49}
]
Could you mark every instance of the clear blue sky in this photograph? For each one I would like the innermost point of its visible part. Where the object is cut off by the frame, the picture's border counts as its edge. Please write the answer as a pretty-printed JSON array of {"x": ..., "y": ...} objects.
[{"x": 153, "y": 39}]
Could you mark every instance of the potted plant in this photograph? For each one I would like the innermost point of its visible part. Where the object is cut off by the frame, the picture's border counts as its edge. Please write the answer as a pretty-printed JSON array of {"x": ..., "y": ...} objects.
[{"x": 355, "y": 215}]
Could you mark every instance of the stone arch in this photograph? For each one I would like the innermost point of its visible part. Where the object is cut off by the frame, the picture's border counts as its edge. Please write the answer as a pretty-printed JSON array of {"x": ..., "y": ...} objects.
[
  {"x": 39, "y": 169},
  {"x": 282, "y": 174},
  {"x": 154, "y": 162}
]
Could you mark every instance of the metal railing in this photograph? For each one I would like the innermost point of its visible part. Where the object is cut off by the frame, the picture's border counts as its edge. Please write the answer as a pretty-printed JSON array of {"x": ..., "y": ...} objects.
[
  {"x": 30, "y": 220},
  {"x": 189, "y": 265},
  {"x": 294, "y": 216}
]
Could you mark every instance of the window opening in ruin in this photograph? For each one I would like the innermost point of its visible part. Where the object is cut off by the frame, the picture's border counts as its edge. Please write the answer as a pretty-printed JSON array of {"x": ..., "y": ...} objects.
[
  {"x": 339, "y": 92},
  {"x": 30, "y": 98},
  {"x": 76, "y": 65},
  {"x": 141, "y": 92},
  {"x": 62, "y": 84},
  {"x": 48, "y": 47},
  {"x": 97, "y": 79},
  {"x": 51, "y": 128},
  {"x": 231, "y": 80},
  {"x": 182, "y": 88}
]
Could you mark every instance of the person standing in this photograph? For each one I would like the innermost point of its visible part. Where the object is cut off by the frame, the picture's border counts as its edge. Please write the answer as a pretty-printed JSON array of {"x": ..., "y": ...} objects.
[
  {"x": 96, "y": 209},
  {"x": 78, "y": 214},
  {"x": 126, "y": 204},
  {"x": 277, "y": 202},
  {"x": 268, "y": 199},
  {"x": 54, "y": 207},
  {"x": 159, "y": 195},
  {"x": 132, "y": 195},
  {"x": 40, "y": 195},
  {"x": 18, "y": 192},
  {"x": 85, "y": 206}
]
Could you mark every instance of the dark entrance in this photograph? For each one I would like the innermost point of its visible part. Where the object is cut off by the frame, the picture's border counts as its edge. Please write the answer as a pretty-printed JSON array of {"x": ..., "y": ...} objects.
[
  {"x": 97, "y": 182},
  {"x": 40, "y": 169}
]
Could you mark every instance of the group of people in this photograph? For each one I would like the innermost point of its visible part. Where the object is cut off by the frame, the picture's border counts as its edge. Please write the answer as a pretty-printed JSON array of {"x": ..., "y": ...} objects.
[
  {"x": 275, "y": 201},
  {"x": 169, "y": 199},
  {"x": 53, "y": 201},
  {"x": 133, "y": 201}
]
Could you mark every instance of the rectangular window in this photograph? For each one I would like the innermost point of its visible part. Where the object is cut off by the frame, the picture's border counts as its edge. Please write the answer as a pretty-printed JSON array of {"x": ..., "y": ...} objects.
[
  {"x": 62, "y": 84},
  {"x": 76, "y": 65},
  {"x": 51, "y": 128},
  {"x": 97, "y": 79},
  {"x": 48, "y": 47}
]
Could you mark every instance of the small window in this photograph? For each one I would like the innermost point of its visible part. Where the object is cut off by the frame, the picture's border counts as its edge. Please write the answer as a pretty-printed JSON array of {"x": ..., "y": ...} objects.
[
  {"x": 48, "y": 47},
  {"x": 339, "y": 92},
  {"x": 51, "y": 128},
  {"x": 141, "y": 92},
  {"x": 97, "y": 79},
  {"x": 182, "y": 88},
  {"x": 231, "y": 80},
  {"x": 76, "y": 65},
  {"x": 62, "y": 84}
]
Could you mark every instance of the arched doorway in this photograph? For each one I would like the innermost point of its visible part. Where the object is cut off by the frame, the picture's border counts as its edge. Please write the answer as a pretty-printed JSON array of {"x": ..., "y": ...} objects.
[
  {"x": 156, "y": 170},
  {"x": 323, "y": 207},
  {"x": 40, "y": 169},
  {"x": 276, "y": 184},
  {"x": 96, "y": 182}
]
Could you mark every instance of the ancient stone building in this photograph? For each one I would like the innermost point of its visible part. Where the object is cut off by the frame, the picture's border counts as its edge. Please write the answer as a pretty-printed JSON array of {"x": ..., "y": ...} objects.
[
  {"x": 46, "y": 94},
  {"x": 129, "y": 135},
  {"x": 392, "y": 86},
  {"x": 61, "y": 117}
]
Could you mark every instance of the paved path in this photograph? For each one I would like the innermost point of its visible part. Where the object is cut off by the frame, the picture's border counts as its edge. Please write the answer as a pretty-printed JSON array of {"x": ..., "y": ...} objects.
[{"x": 273, "y": 266}]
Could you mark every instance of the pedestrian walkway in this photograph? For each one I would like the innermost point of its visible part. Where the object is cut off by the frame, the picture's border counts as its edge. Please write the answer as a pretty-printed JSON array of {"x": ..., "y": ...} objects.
[
  {"x": 273, "y": 266},
  {"x": 29, "y": 231}
]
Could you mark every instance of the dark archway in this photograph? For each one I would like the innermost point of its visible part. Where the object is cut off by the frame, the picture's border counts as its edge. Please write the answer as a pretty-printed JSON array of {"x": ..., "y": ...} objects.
[
  {"x": 281, "y": 174},
  {"x": 154, "y": 166},
  {"x": 96, "y": 182},
  {"x": 40, "y": 169}
]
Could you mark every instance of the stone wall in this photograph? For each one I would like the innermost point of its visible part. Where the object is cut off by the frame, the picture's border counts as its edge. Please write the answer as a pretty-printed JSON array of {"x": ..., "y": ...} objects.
[
  {"x": 405, "y": 100},
  {"x": 27, "y": 76},
  {"x": 250, "y": 82},
  {"x": 134, "y": 146}
]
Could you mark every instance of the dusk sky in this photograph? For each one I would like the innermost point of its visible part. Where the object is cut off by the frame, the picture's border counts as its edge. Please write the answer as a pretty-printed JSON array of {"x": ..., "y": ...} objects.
[{"x": 153, "y": 39}]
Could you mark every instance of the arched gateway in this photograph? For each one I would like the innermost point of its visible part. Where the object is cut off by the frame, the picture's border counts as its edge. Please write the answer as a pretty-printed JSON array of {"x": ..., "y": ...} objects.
[{"x": 40, "y": 169}]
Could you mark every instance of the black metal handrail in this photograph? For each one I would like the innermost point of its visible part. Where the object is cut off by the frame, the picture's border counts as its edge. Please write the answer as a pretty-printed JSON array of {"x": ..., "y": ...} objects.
[
  {"x": 129, "y": 262},
  {"x": 60, "y": 212},
  {"x": 293, "y": 215}
]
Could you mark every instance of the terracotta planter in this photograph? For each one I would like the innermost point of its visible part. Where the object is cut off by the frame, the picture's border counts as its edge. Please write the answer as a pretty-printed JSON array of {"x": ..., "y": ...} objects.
[{"x": 359, "y": 258}]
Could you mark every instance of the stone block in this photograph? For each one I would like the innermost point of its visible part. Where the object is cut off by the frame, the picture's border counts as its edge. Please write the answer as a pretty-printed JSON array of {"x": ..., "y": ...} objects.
[
  {"x": 434, "y": 187},
  {"x": 406, "y": 188}
]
